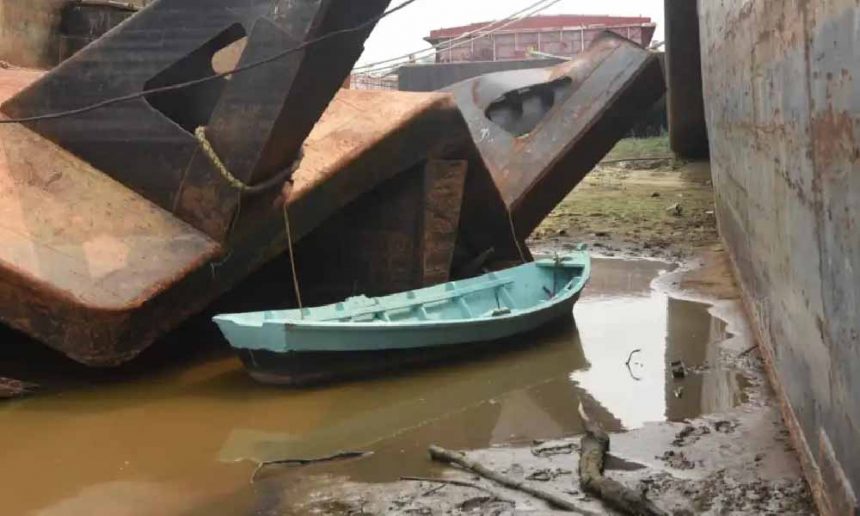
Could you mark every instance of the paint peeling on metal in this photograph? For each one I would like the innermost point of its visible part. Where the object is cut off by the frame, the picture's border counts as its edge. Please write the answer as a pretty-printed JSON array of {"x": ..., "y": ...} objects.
[{"x": 782, "y": 92}]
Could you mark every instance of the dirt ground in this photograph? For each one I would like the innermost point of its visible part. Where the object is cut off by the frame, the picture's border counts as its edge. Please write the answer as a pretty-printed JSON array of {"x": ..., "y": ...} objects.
[
  {"x": 737, "y": 462},
  {"x": 661, "y": 208}
]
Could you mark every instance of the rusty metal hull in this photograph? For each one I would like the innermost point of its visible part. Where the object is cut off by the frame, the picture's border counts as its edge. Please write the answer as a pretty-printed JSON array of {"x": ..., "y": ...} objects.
[
  {"x": 98, "y": 273},
  {"x": 539, "y": 132},
  {"x": 781, "y": 96}
]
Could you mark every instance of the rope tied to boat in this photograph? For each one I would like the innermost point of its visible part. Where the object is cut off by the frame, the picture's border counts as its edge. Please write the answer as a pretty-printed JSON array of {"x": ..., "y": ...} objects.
[
  {"x": 292, "y": 256},
  {"x": 278, "y": 179},
  {"x": 282, "y": 178}
]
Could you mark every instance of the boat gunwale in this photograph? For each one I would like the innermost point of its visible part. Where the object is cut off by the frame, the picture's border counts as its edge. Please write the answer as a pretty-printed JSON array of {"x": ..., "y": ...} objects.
[{"x": 571, "y": 288}]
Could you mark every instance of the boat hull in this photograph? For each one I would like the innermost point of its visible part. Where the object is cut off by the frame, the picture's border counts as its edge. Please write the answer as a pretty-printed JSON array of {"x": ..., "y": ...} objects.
[
  {"x": 362, "y": 335},
  {"x": 308, "y": 368}
]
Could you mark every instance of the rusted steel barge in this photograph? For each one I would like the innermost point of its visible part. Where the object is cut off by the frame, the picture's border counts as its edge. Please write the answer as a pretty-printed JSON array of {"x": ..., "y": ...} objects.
[{"x": 116, "y": 227}]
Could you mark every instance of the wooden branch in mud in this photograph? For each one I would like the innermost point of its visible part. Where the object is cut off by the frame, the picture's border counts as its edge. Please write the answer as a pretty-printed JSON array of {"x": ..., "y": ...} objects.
[
  {"x": 595, "y": 446},
  {"x": 305, "y": 462},
  {"x": 452, "y": 457}
]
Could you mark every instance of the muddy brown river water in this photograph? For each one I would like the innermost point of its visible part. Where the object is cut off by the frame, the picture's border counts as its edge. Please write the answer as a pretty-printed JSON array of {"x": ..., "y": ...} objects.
[{"x": 181, "y": 433}]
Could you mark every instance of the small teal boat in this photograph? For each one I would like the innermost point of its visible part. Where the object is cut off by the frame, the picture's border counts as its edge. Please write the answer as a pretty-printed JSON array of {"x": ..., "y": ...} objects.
[{"x": 361, "y": 334}]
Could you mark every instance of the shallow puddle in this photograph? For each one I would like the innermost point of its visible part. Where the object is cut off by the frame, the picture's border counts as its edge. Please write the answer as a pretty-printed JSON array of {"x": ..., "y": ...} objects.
[{"x": 186, "y": 438}]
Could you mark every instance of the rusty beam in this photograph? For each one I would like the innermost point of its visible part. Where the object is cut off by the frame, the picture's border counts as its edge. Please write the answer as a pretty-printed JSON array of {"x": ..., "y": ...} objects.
[
  {"x": 539, "y": 132},
  {"x": 444, "y": 183}
]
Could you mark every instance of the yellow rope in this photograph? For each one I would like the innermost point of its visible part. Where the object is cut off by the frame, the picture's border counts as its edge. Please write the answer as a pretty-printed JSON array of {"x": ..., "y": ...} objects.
[
  {"x": 292, "y": 256},
  {"x": 200, "y": 133},
  {"x": 275, "y": 181}
]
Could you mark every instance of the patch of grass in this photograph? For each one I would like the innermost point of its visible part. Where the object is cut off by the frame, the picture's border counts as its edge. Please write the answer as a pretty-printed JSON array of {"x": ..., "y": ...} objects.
[
  {"x": 641, "y": 148},
  {"x": 631, "y": 209}
]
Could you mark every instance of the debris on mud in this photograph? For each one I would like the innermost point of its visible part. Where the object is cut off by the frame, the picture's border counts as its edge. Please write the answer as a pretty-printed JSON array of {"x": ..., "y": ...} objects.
[
  {"x": 554, "y": 500},
  {"x": 11, "y": 388},
  {"x": 679, "y": 370},
  {"x": 554, "y": 449},
  {"x": 595, "y": 446}
]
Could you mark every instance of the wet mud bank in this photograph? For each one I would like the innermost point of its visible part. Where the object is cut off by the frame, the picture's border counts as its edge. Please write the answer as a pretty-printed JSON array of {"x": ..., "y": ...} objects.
[{"x": 716, "y": 444}]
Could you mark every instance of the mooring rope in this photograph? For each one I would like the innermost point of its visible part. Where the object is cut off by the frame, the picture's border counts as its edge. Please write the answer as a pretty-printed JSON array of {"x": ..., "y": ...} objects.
[
  {"x": 292, "y": 258},
  {"x": 235, "y": 182},
  {"x": 514, "y": 234}
]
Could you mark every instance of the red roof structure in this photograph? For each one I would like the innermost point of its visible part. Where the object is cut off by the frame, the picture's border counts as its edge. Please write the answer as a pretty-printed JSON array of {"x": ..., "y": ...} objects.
[
  {"x": 562, "y": 35},
  {"x": 554, "y": 21}
]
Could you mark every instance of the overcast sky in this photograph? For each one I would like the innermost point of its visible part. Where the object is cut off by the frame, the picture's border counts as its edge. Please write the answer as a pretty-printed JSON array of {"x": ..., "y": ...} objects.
[{"x": 403, "y": 31}]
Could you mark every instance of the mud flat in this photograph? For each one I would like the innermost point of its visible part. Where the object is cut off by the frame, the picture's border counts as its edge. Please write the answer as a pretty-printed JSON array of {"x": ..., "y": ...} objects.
[{"x": 730, "y": 460}]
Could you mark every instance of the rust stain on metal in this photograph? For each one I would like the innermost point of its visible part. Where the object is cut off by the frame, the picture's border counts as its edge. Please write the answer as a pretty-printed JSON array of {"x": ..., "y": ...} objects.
[
  {"x": 444, "y": 183},
  {"x": 833, "y": 137},
  {"x": 365, "y": 138}
]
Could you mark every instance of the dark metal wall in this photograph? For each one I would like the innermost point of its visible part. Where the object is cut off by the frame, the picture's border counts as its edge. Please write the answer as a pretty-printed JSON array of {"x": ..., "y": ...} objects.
[
  {"x": 432, "y": 77},
  {"x": 81, "y": 23},
  {"x": 30, "y": 31},
  {"x": 688, "y": 132},
  {"x": 782, "y": 97}
]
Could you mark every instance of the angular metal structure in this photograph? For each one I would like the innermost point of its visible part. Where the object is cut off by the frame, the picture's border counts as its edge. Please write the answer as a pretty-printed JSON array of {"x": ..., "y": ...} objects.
[
  {"x": 97, "y": 272},
  {"x": 398, "y": 237},
  {"x": 116, "y": 227},
  {"x": 541, "y": 131},
  {"x": 256, "y": 120}
]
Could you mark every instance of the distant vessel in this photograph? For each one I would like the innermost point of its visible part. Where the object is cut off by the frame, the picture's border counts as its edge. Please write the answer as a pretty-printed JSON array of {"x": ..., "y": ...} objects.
[{"x": 361, "y": 334}]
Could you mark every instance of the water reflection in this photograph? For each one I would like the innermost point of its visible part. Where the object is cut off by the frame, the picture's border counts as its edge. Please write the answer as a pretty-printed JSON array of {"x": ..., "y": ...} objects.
[
  {"x": 622, "y": 318},
  {"x": 166, "y": 439}
]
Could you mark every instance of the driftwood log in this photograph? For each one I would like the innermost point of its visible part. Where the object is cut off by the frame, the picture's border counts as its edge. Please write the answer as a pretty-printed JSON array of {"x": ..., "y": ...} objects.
[
  {"x": 592, "y": 458},
  {"x": 452, "y": 457}
]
